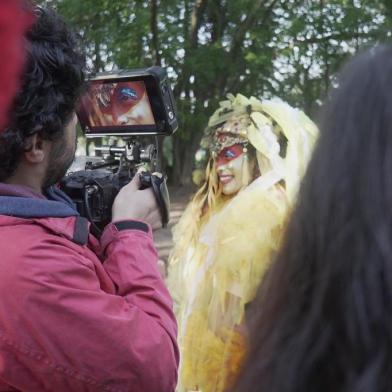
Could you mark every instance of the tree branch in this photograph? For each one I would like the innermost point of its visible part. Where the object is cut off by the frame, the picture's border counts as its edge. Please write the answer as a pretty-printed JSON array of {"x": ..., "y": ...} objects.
[
  {"x": 218, "y": 19},
  {"x": 249, "y": 21},
  {"x": 196, "y": 19},
  {"x": 337, "y": 36},
  {"x": 154, "y": 31}
]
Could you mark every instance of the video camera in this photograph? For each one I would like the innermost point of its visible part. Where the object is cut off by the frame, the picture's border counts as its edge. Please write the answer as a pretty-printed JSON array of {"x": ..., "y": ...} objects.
[{"x": 129, "y": 105}]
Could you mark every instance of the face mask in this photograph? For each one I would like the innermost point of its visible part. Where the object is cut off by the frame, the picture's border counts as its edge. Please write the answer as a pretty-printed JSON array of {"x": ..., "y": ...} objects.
[{"x": 233, "y": 169}]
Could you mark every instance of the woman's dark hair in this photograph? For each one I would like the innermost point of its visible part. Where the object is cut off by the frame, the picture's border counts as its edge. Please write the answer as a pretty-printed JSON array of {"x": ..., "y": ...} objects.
[
  {"x": 322, "y": 319},
  {"x": 52, "y": 82}
]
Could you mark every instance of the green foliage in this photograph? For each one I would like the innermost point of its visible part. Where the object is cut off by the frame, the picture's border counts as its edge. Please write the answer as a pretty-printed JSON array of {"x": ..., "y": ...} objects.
[{"x": 286, "y": 48}]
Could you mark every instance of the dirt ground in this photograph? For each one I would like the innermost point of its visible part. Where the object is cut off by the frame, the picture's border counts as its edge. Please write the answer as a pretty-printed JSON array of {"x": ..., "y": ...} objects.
[{"x": 179, "y": 198}]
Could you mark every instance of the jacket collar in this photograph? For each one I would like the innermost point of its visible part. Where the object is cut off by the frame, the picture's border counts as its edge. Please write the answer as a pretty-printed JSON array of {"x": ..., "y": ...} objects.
[
  {"x": 22, "y": 202},
  {"x": 21, "y": 205}
]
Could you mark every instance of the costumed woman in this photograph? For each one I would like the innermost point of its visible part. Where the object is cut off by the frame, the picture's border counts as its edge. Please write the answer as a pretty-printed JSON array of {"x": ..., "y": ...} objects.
[{"x": 229, "y": 232}]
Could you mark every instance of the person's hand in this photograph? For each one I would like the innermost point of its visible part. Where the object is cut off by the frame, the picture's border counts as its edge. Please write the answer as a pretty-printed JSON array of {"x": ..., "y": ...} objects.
[{"x": 131, "y": 203}]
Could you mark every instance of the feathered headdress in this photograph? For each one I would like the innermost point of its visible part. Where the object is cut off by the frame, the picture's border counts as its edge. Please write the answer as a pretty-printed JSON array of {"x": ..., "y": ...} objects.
[{"x": 283, "y": 136}]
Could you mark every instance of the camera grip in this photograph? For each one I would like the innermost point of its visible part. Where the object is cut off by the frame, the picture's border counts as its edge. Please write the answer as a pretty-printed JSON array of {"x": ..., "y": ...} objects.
[{"x": 157, "y": 182}]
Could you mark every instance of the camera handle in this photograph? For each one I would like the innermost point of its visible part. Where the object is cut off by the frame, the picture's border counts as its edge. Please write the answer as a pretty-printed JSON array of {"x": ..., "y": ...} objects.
[
  {"x": 89, "y": 190},
  {"x": 157, "y": 181}
]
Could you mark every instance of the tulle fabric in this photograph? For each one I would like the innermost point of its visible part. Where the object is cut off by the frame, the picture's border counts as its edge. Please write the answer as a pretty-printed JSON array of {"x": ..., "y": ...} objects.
[{"x": 218, "y": 277}]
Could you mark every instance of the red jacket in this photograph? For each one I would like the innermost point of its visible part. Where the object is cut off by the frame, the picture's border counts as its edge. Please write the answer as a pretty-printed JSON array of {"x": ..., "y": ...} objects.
[{"x": 70, "y": 321}]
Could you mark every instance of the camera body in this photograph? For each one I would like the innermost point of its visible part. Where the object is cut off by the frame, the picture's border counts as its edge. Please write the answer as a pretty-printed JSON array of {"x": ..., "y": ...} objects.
[{"x": 129, "y": 105}]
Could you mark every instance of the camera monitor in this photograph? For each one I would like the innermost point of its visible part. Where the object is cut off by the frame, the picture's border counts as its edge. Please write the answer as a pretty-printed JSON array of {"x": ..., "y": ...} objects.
[{"x": 125, "y": 103}]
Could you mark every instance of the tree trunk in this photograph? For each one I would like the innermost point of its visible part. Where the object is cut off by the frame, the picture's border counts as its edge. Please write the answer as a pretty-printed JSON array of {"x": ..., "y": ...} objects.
[
  {"x": 154, "y": 32},
  {"x": 188, "y": 159},
  {"x": 177, "y": 146}
]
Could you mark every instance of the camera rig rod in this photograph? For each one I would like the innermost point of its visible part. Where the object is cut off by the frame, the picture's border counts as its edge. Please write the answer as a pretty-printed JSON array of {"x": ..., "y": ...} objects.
[
  {"x": 132, "y": 152},
  {"x": 110, "y": 149}
]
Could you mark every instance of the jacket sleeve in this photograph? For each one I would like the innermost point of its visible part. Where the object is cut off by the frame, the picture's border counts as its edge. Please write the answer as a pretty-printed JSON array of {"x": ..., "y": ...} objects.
[{"x": 74, "y": 335}]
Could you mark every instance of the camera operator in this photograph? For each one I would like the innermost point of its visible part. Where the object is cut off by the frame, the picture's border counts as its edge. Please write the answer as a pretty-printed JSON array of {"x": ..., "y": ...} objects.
[{"x": 75, "y": 314}]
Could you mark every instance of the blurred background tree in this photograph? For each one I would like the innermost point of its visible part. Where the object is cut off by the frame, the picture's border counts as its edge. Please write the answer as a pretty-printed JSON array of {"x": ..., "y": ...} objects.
[{"x": 286, "y": 48}]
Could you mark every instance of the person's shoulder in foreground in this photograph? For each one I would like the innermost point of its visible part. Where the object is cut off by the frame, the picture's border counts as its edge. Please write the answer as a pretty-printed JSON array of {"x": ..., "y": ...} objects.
[{"x": 76, "y": 314}]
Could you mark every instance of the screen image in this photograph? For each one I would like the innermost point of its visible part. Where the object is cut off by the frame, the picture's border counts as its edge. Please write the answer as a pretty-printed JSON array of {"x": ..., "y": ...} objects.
[{"x": 119, "y": 104}]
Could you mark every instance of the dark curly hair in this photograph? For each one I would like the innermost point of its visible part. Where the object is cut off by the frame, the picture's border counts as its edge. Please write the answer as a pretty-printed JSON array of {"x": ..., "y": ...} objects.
[{"x": 51, "y": 85}]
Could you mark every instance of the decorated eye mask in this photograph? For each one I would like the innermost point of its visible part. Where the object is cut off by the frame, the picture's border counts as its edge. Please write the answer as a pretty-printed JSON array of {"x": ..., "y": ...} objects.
[
  {"x": 229, "y": 153},
  {"x": 117, "y": 100}
]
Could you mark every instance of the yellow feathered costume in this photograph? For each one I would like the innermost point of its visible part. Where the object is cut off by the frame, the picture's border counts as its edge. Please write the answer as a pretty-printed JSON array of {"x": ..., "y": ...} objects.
[{"x": 224, "y": 245}]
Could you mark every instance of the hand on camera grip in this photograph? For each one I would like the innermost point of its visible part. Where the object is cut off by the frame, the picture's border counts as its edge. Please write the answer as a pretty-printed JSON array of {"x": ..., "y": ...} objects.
[{"x": 157, "y": 181}]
